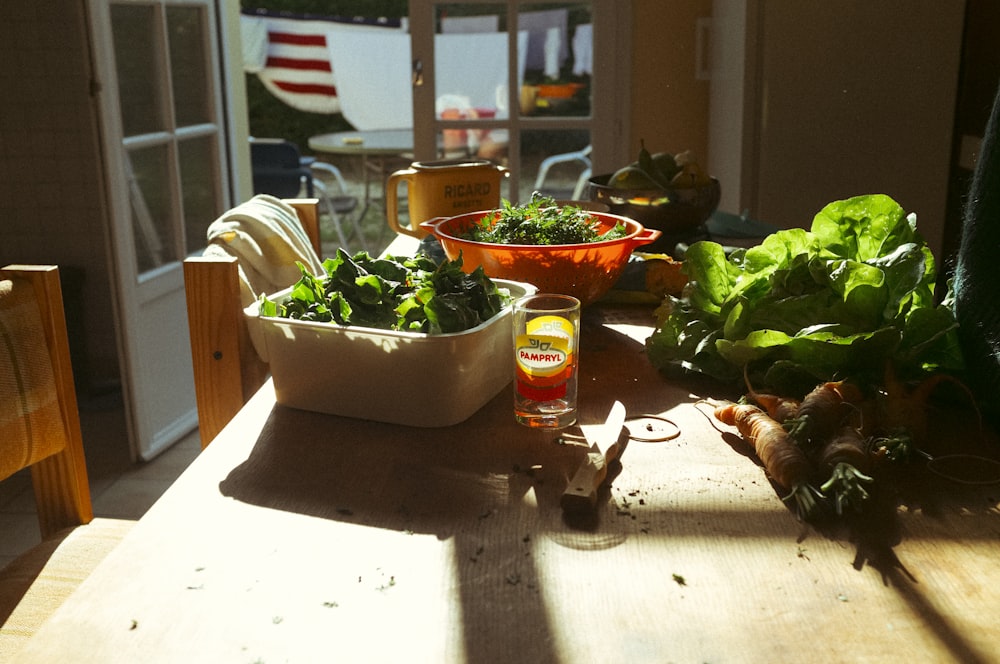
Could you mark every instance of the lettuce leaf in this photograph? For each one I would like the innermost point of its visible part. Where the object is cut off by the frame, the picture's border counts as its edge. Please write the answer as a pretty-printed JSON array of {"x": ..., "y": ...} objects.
[{"x": 839, "y": 299}]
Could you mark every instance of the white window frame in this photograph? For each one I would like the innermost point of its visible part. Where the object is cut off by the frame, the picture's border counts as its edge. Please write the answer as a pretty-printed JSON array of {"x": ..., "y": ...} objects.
[{"x": 608, "y": 122}]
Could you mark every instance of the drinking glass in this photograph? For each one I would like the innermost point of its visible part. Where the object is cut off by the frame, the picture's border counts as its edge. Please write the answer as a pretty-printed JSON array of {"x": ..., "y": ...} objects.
[{"x": 546, "y": 355}]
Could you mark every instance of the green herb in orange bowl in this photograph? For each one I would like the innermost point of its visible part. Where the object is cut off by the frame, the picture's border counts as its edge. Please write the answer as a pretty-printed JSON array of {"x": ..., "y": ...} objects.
[{"x": 558, "y": 249}]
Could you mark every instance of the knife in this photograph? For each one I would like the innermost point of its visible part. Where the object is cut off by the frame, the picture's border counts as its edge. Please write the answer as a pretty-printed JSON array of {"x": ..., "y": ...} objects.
[{"x": 581, "y": 492}]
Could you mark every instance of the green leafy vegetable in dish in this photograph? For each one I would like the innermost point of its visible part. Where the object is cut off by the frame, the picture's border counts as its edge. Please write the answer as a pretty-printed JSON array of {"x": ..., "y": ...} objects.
[
  {"x": 541, "y": 222},
  {"x": 843, "y": 298},
  {"x": 412, "y": 294}
]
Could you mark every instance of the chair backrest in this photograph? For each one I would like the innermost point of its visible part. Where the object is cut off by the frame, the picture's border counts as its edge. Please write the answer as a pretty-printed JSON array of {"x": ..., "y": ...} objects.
[
  {"x": 227, "y": 370},
  {"x": 39, "y": 416},
  {"x": 277, "y": 167}
]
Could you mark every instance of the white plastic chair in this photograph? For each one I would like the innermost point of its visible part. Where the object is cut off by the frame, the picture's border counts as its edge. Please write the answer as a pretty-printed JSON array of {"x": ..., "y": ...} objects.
[
  {"x": 580, "y": 156},
  {"x": 339, "y": 205}
]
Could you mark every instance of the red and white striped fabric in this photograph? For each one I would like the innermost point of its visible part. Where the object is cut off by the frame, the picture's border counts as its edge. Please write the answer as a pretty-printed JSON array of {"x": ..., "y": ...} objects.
[{"x": 293, "y": 62}]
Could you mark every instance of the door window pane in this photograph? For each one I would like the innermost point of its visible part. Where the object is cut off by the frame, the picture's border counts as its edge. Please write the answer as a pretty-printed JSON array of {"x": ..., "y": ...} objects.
[
  {"x": 152, "y": 211},
  {"x": 188, "y": 65},
  {"x": 164, "y": 63},
  {"x": 138, "y": 62},
  {"x": 480, "y": 105},
  {"x": 199, "y": 189},
  {"x": 471, "y": 76},
  {"x": 559, "y": 60},
  {"x": 557, "y": 84}
]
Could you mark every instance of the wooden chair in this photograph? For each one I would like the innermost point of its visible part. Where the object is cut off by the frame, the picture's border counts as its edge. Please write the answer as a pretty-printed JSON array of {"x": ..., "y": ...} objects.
[
  {"x": 40, "y": 430},
  {"x": 227, "y": 370}
]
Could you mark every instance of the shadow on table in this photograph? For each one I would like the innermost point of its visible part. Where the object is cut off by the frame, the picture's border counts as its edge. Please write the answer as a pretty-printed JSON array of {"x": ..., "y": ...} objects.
[{"x": 490, "y": 486}]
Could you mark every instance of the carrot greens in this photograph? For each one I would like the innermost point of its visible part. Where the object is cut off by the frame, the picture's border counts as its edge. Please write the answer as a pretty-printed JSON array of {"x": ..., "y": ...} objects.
[{"x": 541, "y": 222}]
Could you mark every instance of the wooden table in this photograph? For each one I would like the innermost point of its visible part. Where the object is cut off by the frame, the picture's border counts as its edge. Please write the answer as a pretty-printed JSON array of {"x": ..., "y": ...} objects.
[{"x": 300, "y": 537}]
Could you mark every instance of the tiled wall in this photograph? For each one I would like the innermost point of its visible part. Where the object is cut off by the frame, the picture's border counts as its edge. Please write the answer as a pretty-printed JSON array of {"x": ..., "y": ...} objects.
[{"x": 50, "y": 168}]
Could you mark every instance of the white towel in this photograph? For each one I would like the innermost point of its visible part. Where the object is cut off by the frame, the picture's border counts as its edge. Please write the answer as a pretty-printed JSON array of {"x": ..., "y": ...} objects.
[{"x": 265, "y": 235}]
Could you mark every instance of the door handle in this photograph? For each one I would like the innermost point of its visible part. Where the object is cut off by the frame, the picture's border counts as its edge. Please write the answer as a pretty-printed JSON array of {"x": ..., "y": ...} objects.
[{"x": 417, "y": 73}]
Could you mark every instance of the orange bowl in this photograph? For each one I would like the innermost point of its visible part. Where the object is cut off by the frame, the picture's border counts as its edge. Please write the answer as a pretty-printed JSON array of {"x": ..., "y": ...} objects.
[
  {"x": 585, "y": 271},
  {"x": 559, "y": 91}
]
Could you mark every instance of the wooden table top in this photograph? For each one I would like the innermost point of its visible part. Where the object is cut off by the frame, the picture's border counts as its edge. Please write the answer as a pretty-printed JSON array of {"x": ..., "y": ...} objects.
[{"x": 301, "y": 537}]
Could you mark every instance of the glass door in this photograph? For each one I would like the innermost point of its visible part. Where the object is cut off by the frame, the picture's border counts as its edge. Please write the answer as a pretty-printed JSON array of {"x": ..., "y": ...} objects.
[
  {"x": 514, "y": 81},
  {"x": 164, "y": 142}
]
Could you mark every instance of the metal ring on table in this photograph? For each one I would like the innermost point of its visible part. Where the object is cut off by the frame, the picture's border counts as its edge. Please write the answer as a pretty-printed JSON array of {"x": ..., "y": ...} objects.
[
  {"x": 938, "y": 466},
  {"x": 651, "y": 427}
]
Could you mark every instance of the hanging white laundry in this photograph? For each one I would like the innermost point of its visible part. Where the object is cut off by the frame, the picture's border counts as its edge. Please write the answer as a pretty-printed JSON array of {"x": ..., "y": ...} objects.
[
  {"x": 537, "y": 24},
  {"x": 372, "y": 71},
  {"x": 467, "y": 24},
  {"x": 583, "y": 49},
  {"x": 553, "y": 42}
]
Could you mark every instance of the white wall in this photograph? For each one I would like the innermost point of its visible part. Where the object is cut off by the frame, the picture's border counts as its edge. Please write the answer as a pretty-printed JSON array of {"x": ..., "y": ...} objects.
[
  {"x": 731, "y": 136},
  {"x": 846, "y": 98}
]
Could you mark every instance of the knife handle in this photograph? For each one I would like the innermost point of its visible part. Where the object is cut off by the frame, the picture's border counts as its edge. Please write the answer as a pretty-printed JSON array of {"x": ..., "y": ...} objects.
[{"x": 581, "y": 491}]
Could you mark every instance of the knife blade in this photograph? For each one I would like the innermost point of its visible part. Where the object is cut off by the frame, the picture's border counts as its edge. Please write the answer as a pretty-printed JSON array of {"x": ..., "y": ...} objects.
[{"x": 581, "y": 491}]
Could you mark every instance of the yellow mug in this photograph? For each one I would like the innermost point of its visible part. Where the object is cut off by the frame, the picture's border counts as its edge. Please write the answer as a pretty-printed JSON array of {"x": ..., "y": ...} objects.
[{"x": 444, "y": 188}]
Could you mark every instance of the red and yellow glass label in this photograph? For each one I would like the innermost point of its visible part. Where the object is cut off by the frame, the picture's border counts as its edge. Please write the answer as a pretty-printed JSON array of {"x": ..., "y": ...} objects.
[{"x": 544, "y": 354}]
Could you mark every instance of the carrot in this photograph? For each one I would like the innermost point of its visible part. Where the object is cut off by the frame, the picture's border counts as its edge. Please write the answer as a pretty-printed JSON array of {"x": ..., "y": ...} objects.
[
  {"x": 821, "y": 412},
  {"x": 783, "y": 460},
  {"x": 845, "y": 457},
  {"x": 905, "y": 417},
  {"x": 779, "y": 408}
]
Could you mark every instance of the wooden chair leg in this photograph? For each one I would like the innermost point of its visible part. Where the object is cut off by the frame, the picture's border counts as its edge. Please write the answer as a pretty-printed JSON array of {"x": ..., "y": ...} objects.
[{"x": 62, "y": 490}]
